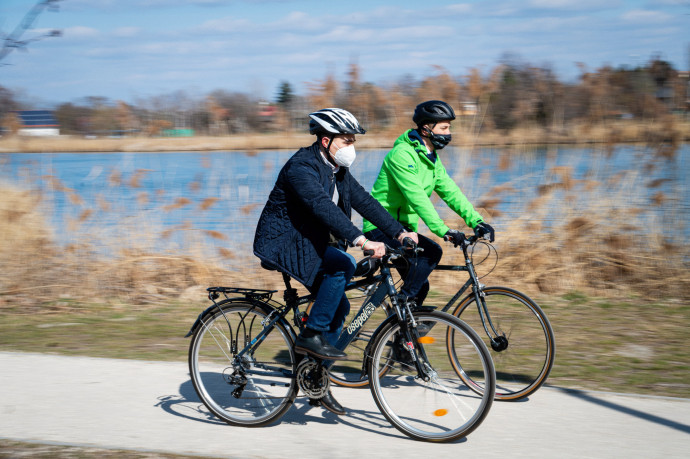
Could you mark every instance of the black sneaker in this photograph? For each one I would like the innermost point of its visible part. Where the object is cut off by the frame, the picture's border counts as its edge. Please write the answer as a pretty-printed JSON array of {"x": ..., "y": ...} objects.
[
  {"x": 412, "y": 303},
  {"x": 317, "y": 346},
  {"x": 423, "y": 328},
  {"x": 400, "y": 354},
  {"x": 329, "y": 403}
]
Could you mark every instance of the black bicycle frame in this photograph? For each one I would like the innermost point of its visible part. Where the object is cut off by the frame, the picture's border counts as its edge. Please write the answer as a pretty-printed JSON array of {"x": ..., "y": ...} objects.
[
  {"x": 476, "y": 289},
  {"x": 367, "y": 309},
  {"x": 386, "y": 287}
]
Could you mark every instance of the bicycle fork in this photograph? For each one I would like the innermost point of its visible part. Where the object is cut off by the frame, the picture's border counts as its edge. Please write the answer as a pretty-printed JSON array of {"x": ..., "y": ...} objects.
[
  {"x": 499, "y": 342},
  {"x": 408, "y": 330}
]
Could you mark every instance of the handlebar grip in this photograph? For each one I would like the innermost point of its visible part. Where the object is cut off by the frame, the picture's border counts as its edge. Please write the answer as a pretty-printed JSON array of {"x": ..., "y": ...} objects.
[
  {"x": 408, "y": 242},
  {"x": 368, "y": 253}
]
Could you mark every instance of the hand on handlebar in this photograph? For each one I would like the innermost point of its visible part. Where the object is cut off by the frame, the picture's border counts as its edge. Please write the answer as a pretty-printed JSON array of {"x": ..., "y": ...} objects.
[
  {"x": 378, "y": 248},
  {"x": 405, "y": 235},
  {"x": 454, "y": 236},
  {"x": 484, "y": 230}
]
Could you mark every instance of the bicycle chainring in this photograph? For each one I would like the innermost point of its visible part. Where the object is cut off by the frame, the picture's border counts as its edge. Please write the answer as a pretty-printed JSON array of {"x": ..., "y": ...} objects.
[{"x": 312, "y": 379}]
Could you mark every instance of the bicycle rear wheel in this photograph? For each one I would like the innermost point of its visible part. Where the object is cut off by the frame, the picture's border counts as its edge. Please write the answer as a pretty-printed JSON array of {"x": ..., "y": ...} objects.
[
  {"x": 525, "y": 351},
  {"x": 348, "y": 373},
  {"x": 440, "y": 407},
  {"x": 254, "y": 389}
]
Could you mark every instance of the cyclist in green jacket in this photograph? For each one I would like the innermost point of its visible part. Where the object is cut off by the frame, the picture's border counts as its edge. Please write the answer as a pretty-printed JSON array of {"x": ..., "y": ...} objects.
[{"x": 411, "y": 171}]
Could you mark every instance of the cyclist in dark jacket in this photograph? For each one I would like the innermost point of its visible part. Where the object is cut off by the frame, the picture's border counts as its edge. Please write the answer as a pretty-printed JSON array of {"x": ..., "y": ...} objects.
[{"x": 306, "y": 227}]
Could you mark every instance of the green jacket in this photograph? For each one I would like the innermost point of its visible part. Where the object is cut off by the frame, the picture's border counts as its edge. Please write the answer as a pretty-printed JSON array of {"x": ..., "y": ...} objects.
[{"x": 405, "y": 183}]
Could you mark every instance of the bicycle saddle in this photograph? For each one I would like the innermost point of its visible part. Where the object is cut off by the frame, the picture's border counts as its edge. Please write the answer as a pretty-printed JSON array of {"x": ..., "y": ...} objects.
[{"x": 268, "y": 267}]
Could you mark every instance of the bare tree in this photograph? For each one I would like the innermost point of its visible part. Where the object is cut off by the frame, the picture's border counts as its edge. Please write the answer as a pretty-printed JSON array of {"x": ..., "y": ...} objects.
[{"x": 14, "y": 40}]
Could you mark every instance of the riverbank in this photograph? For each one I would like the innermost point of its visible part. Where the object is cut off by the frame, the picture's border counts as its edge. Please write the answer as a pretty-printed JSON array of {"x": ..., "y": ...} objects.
[{"x": 667, "y": 132}]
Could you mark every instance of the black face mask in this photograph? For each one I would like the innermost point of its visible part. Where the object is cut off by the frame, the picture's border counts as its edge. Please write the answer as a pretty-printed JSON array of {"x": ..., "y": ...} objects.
[{"x": 439, "y": 141}]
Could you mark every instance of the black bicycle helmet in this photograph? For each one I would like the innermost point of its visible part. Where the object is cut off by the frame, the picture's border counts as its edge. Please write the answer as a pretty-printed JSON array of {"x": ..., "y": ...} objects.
[
  {"x": 334, "y": 121},
  {"x": 432, "y": 111}
]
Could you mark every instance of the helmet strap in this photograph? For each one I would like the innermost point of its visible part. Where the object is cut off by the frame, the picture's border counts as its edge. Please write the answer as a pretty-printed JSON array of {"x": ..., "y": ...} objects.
[
  {"x": 328, "y": 150},
  {"x": 429, "y": 131}
]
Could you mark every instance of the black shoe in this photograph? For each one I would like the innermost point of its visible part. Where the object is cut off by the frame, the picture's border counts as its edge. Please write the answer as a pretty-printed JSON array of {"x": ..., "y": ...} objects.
[
  {"x": 329, "y": 403},
  {"x": 423, "y": 328},
  {"x": 414, "y": 307},
  {"x": 317, "y": 346},
  {"x": 400, "y": 354},
  {"x": 412, "y": 303}
]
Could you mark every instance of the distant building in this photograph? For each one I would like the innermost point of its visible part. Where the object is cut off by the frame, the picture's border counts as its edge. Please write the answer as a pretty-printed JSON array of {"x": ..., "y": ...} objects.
[
  {"x": 40, "y": 123},
  {"x": 178, "y": 132},
  {"x": 468, "y": 109}
]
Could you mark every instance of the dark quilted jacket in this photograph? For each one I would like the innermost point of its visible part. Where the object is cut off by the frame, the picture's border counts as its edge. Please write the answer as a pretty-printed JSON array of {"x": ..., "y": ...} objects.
[{"x": 295, "y": 226}]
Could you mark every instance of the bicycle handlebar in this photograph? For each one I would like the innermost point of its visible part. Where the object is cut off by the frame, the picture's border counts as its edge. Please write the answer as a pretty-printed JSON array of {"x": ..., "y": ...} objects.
[
  {"x": 467, "y": 240},
  {"x": 403, "y": 251},
  {"x": 408, "y": 245}
]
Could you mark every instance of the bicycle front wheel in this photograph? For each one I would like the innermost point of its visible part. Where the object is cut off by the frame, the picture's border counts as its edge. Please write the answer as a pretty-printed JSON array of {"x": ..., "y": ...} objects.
[
  {"x": 435, "y": 404},
  {"x": 250, "y": 389},
  {"x": 524, "y": 350}
]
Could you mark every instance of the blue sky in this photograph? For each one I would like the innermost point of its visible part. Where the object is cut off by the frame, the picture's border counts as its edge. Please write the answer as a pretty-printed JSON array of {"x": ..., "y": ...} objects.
[{"x": 127, "y": 49}]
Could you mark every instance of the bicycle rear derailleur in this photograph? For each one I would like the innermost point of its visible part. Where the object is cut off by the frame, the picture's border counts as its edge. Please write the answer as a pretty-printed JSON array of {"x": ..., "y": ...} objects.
[{"x": 312, "y": 378}]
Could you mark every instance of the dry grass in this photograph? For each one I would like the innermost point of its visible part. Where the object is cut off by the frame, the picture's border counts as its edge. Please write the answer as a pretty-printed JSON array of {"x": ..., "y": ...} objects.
[
  {"x": 614, "y": 284},
  {"x": 600, "y": 238},
  {"x": 566, "y": 235}
]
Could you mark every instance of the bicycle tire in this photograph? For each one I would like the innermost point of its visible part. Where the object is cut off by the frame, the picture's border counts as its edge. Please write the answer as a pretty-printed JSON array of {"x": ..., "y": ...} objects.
[
  {"x": 524, "y": 365},
  {"x": 442, "y": 408},
  {"x": 256, "y": 389}
]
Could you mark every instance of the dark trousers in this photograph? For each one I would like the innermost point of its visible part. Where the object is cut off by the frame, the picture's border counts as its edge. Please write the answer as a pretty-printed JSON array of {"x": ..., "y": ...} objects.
[
  {"x": 331, "y": 306},
  {"x": 416, "y": 283}
]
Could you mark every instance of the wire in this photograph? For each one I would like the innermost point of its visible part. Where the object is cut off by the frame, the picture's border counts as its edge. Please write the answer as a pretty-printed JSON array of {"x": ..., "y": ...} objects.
[{"x": 491, "y": 249}]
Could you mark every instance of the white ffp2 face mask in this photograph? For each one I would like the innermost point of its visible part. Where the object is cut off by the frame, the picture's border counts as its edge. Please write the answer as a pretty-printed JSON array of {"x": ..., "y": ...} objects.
[{"x": 345, "y": 156}]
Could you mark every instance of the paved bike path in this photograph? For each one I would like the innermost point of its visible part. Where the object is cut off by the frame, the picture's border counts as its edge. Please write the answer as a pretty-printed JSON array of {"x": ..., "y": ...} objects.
[{"x": 152, "y": 406}]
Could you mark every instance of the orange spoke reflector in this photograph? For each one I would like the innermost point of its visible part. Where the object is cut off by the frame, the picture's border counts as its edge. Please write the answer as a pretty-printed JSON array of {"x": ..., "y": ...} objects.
[
  {"x": 426, "y": 339},
  {"x": 441, "y": 412}
]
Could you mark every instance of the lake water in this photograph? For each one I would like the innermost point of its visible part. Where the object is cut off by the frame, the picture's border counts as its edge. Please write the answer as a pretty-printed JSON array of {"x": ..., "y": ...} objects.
[{"x": 173, "y": 199}]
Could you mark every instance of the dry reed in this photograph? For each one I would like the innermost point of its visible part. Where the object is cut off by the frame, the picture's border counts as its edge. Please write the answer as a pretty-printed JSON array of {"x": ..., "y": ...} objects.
[{"x": 570, "y": 235}]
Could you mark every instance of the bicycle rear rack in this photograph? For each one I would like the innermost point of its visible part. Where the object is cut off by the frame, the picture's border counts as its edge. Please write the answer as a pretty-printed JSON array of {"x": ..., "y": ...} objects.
[{"x": 253, "y": 293}]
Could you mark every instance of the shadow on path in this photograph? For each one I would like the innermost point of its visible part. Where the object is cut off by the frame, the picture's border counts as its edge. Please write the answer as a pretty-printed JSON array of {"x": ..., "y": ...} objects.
[
  {"x": 588, "y": 397},
  {"x": 187, "y": 405}
]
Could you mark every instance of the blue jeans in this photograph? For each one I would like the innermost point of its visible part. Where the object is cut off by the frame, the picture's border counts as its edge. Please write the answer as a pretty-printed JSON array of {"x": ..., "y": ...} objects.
[
  {"x": 331, "y": 306},
  {"x": 416, "y": 284}
]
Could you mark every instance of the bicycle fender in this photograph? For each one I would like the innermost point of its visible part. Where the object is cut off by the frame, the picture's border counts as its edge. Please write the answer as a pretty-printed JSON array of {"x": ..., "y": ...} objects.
[{"x": 217, "y": 306}]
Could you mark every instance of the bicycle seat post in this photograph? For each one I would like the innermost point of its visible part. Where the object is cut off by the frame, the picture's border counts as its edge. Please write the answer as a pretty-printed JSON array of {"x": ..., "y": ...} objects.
[{"x": 290, "y": 294}]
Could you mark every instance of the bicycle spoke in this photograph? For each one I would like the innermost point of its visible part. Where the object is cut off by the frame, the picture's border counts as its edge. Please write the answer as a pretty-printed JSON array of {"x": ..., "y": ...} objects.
[
  {"x": 434, "y": 405},
  {"x": 253, "y": 389}
]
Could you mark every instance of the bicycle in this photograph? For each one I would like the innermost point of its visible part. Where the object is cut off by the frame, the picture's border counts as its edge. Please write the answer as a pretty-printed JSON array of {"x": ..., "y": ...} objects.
[
  {"x": 515, "y": 328},
  {"x": 244, "y": 368}
]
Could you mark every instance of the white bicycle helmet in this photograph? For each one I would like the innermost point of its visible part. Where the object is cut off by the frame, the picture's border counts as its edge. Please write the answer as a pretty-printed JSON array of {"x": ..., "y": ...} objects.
[{"x": 334, "y": 121}]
